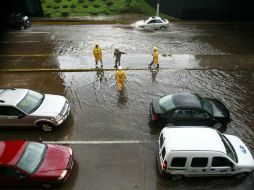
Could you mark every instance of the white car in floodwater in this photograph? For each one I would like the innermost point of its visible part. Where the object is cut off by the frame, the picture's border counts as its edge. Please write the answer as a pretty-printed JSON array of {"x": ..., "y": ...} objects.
[{"x": 155, "y": 22}]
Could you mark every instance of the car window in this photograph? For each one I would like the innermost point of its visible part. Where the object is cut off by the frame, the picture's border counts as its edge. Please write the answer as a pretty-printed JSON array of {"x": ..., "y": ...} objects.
[
  {"x": 221, "y": 162},
  {"x": 8, "y": 171},
  {"x": 178, "y": 162},
  {"x": 199, "y": 114},
  {"x": 158, "y": 21},
  {"x": 163, "y": 152},
  {"x": 161, "y": 140},
  {"x": 32, "y": 157},
  {"x": 178, "y": 113},
  {"x": 31, "y": 101},
  {"x": 199, "y": 162},
  {"x": 166, "y": 103},
  {"x": 151, "y": 22},
  {"x": 9, "y": 111}
]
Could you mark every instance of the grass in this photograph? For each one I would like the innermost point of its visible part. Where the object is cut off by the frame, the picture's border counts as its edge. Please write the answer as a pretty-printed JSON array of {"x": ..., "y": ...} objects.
[{"x": 61, "y": 8}]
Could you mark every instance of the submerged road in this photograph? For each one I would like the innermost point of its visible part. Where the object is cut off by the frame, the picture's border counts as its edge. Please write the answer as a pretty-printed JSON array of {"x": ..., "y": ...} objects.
[{"x": 113, "y": 141}]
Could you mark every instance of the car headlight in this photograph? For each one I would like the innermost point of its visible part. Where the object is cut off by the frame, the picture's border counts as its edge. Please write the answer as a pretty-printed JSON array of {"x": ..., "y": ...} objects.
[
  {"x": 56, "y": 118},
  {"x": 63, "y": 174}
]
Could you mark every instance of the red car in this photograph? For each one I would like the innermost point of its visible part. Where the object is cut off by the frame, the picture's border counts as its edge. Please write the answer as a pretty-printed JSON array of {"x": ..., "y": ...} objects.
[{"x": 34, "y": 163}]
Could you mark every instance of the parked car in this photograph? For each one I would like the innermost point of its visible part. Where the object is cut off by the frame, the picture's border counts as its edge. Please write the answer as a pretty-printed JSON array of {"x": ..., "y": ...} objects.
[
  {"x": 153, "y": 23},
  {"x": 27, "y": 108},
  {"x": 189, "y": 109},
  {"x": 18, "y": 21},
  {"x": 33, "y": 163},
  {"x": 200, "y": 152}
]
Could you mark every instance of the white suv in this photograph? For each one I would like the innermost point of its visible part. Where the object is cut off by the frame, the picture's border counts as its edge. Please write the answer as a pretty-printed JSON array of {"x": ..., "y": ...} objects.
[
  {"x": 28, "y": 108},
  {"x": 199, "y": 151}
]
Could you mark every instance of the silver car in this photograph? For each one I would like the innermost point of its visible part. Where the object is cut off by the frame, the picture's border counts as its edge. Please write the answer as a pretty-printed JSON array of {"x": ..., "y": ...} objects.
[
  {"x": 28, "y": 108},
  {"x": 153, "y": 23}
]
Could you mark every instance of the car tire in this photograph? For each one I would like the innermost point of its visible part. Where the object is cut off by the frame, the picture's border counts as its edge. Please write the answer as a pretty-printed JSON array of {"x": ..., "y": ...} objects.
[
  {"x": 240, "y": 175},
  {"x": 22, "y": 28},
  {"x": 176, "y": 177},
  {"x": 162, "y": 27},
  {"x": 46, "y": 185},
  {"x": 46, "y": 126}
]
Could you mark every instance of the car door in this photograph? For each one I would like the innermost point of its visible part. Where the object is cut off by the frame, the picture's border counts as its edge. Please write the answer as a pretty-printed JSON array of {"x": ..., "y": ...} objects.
[
  {"x": 12, "y": 176},
  {"x": 159, "y": 23},
  {"x": 220, "y": 166},
  {"x": 198, "y": 165},
  {"x": 181, "y": 116},
  {"x": 11, "y": 116},
  {"x": 151, "y": 24}
]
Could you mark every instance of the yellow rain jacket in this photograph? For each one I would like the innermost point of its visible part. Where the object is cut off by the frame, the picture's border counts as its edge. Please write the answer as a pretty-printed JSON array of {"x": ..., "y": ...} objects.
[
  {"x": 97, "y": 53},
  {"x": 155, "y": 57},
  {"x": 120, "y": 76}
]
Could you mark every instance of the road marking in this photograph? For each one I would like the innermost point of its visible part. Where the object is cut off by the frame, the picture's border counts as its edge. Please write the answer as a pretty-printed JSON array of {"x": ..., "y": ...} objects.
[
  {"x": 9, "y": 42},
  {"x": 29, "y": 32},
  {"x": 95, "y": 142}
]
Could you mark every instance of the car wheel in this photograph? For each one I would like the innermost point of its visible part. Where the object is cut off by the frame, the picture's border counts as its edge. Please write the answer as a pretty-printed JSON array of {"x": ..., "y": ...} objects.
[
  {"x": 241, "y": 175},
  {"x": 163, "y": 27},
  {"x": 46, "y": 185},
  {"x": 176, "y": 177},
  {"x": 22, "y": 28},
  {"x": 46, "y": 127}
]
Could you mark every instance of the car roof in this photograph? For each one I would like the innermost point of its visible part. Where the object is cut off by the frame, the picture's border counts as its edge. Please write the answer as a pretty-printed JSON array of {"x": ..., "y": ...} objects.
[
  {"x": 10, "y": 151},
  {"x": 155, "y": 17},
  {"x": 12, "y": 96},
  {"x": 192, "y": 139},
  {"x": 186, "y": 100}
]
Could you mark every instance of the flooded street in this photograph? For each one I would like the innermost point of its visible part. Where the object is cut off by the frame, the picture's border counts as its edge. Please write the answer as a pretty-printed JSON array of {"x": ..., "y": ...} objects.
[{"x": 212, "y": 60}]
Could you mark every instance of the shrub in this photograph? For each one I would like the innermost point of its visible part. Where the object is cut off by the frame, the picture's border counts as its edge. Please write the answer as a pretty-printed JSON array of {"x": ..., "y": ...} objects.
[
  {"x": 64, "y": 14},
  {"x": 56, "y": 7},
  {"x": 81, "y": 1},
  {"x": 58, "y": 1},
  {"x": 96, "y": 6},
  {"x": 47, "y": 14},
  {"x": 65, "y": 6},
  {"x": 48, "y": 6},
  {"x": 91, "y": 0},
  {"x": 109, "y": 4},
  {"x": 73, "y": 6},
  {"x": 85, "y": 6}
]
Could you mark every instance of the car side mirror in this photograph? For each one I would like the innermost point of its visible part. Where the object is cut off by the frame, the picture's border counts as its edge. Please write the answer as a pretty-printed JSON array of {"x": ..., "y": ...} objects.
[{"x": 21, "y": 116}]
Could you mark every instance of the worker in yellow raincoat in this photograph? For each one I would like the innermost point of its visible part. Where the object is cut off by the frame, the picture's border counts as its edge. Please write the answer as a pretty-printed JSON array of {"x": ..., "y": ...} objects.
[
  {"x": 155, "y": 60},
  {"x": 120, "y": 76},
  {"x": 97, "y": 53}
]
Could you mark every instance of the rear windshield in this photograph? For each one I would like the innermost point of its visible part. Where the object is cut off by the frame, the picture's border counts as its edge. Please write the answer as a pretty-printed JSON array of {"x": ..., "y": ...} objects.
[{"x": 166, "y": 103}]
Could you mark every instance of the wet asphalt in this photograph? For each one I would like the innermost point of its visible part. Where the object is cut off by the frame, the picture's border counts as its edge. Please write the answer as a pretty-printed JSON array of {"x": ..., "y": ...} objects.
[{"x": 211, "y": 59}]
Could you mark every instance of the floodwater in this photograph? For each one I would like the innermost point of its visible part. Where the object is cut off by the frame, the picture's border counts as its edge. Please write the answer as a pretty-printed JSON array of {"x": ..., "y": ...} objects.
[{"x": 213, "y": 60}]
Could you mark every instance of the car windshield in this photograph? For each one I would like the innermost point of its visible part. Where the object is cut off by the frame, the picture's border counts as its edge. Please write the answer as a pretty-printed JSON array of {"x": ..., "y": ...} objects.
[
  {"x": 229, "y": 148},
  {"x": 31, "y": 101},
  {"x": 32, "y": 157},
  {"x": 206, "y": 105},
  {"x": 166, "y": 103}
]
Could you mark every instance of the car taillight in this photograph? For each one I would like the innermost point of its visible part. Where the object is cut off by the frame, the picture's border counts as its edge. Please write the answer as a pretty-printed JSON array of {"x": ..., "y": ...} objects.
[
  {"x": 155, "y": 116},
  {"x": 164, "y": 165}
]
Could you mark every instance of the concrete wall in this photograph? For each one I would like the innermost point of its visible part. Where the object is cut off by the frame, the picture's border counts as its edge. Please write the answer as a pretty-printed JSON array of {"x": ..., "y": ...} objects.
[{"x": 207, "y": 9}]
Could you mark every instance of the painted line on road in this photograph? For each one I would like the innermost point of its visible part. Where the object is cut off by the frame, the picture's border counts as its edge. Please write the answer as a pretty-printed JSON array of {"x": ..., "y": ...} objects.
[
  {"x": 95, "y": 142},
  {"x": 29, "y": 32},
  {"x": 10, "y": 42}
]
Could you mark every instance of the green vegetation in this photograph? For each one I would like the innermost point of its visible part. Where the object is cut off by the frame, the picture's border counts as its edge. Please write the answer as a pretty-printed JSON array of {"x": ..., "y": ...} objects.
[{"x": 59, "y": 8}]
